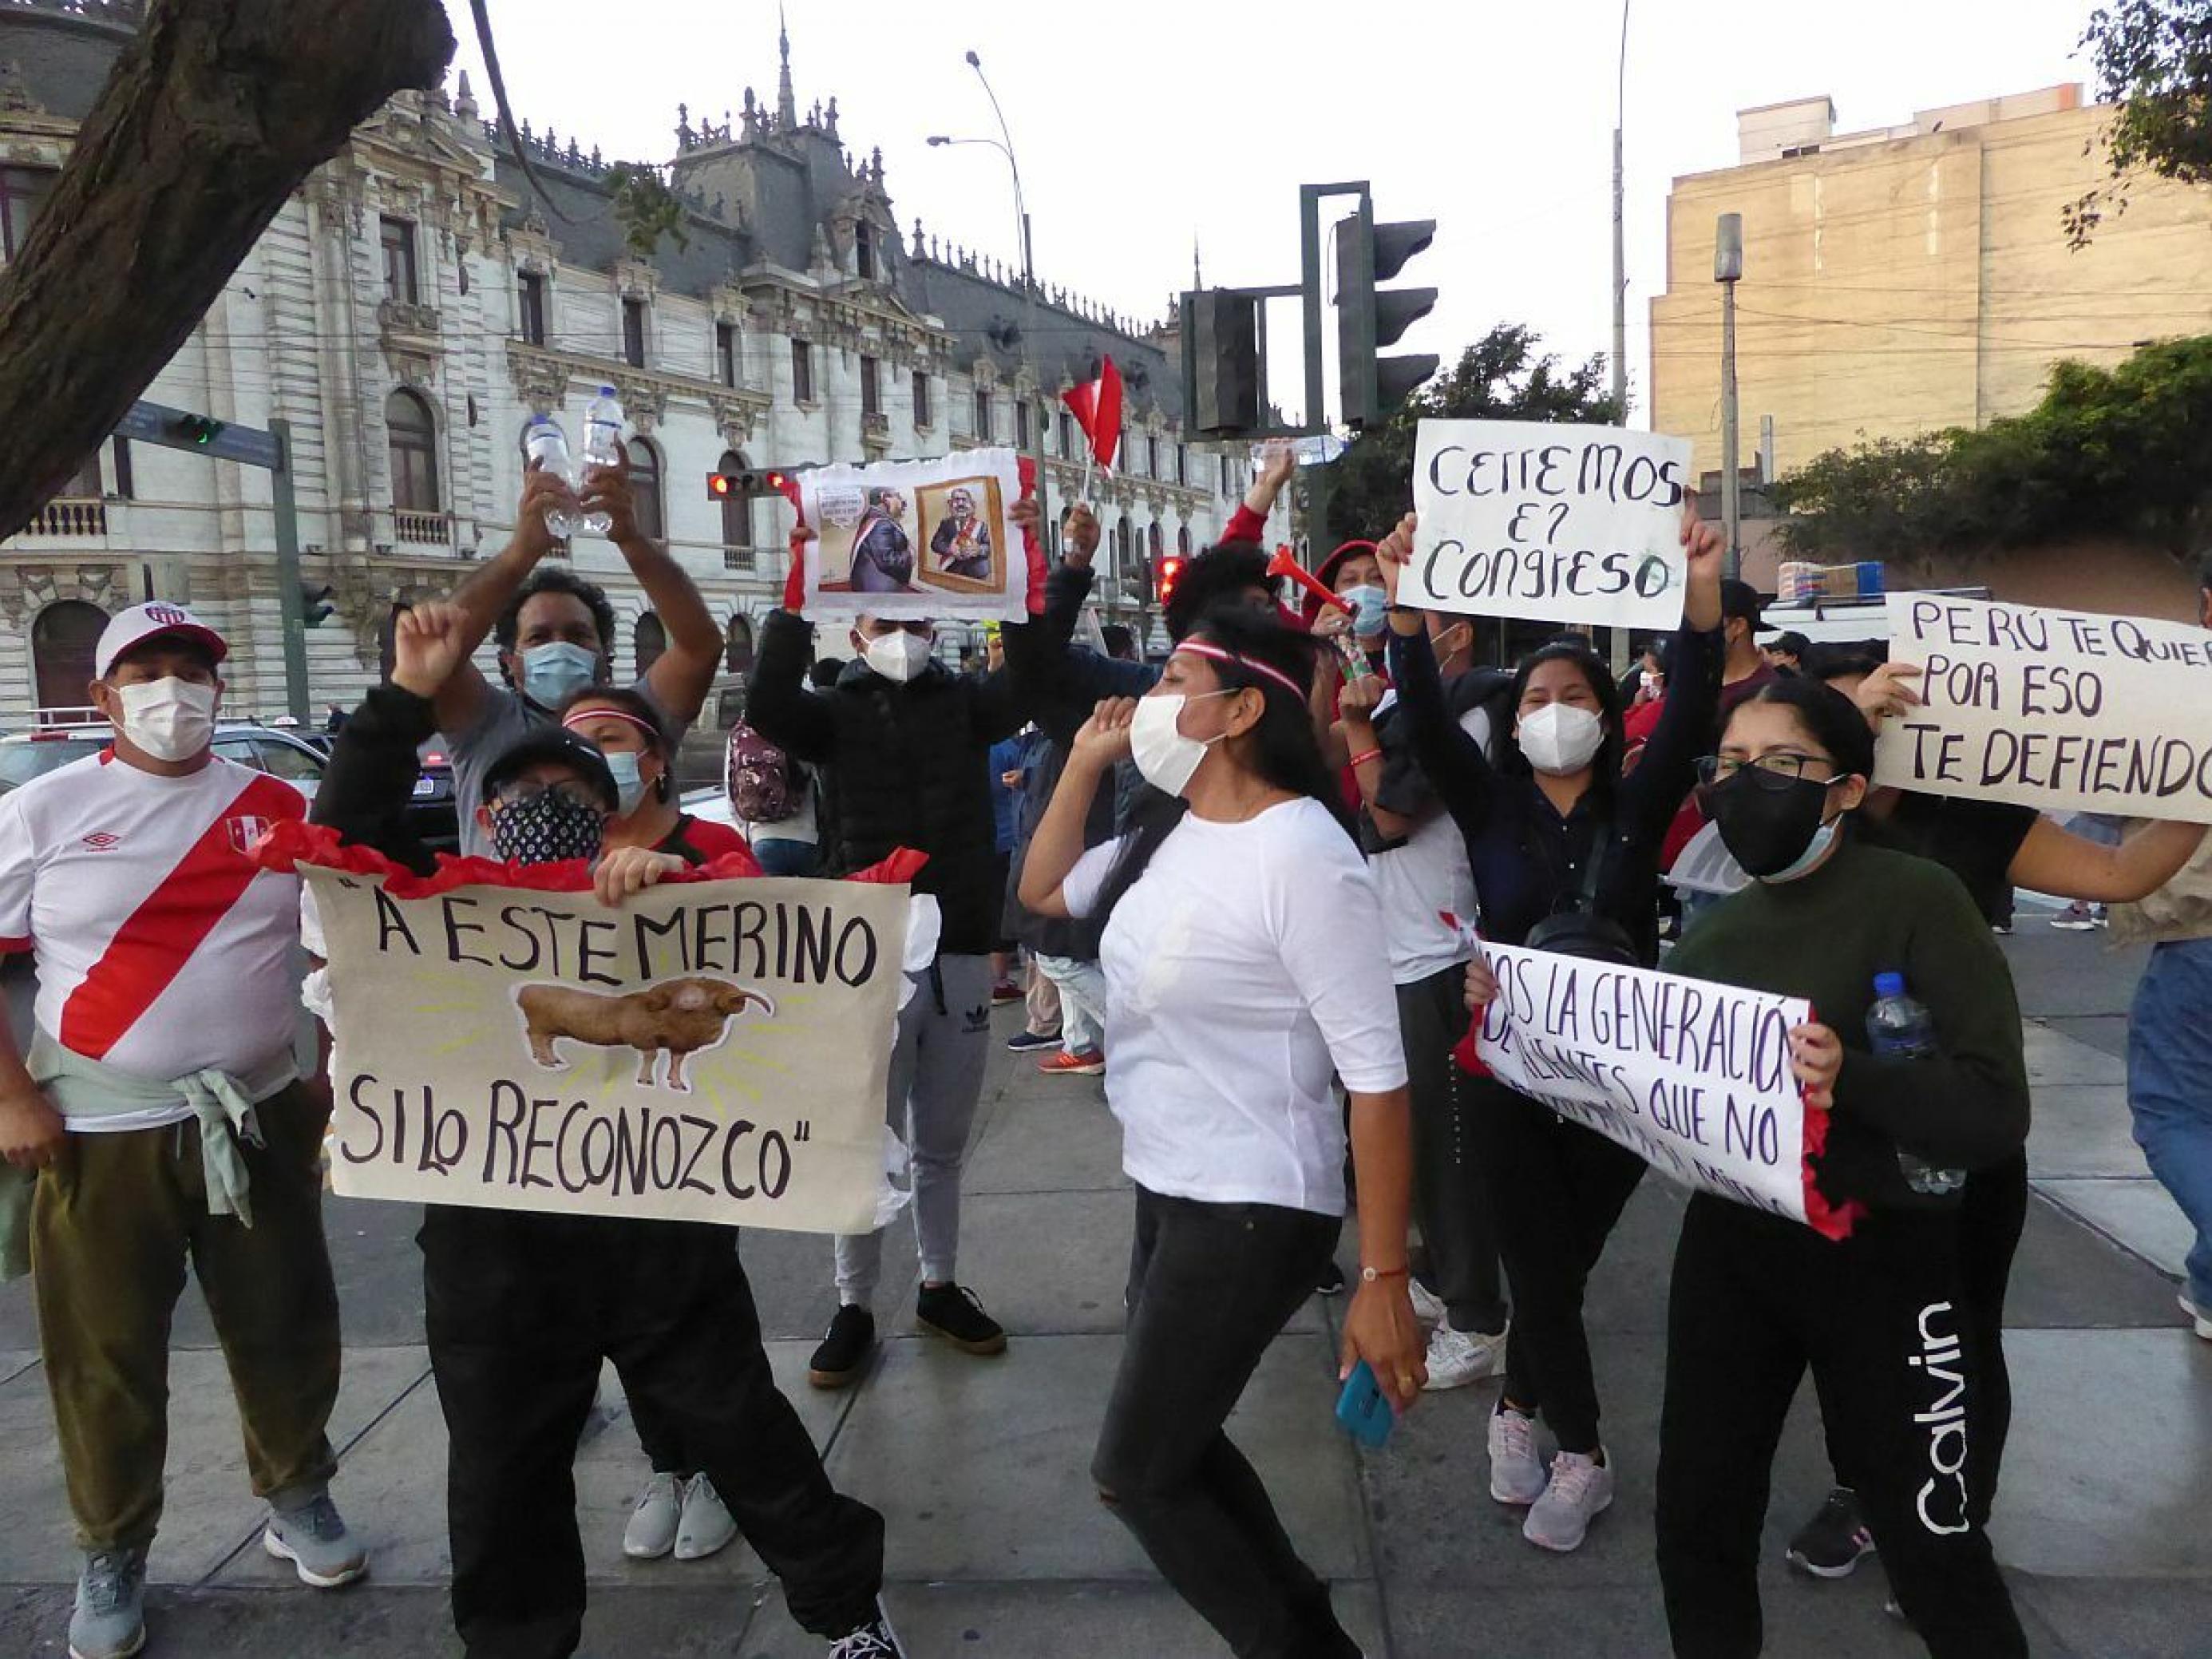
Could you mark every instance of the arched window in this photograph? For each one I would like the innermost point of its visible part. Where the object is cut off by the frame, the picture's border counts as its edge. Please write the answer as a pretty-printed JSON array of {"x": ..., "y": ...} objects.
[
  {"x": 62, "y": 638},
  {"x": 1154, "y": 539},
  {"x": 737, "y": 649},
  {"x": 1182, "y": 540},
  {"x": 413, "y": 439},
  {"x": 644, "y": 489},
  {"x": 647, "y": 639},
  {"x": 737, "y": 504}
]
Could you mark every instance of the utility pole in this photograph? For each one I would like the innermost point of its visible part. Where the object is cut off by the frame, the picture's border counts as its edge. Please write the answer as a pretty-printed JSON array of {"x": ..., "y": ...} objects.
[
  {"x": 1620, "y": 635},
  {"x": 1727, "y": 272}
]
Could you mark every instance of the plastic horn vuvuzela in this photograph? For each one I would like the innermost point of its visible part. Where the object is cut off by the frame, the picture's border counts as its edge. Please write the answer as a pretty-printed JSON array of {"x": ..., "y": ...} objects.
[{"x": 1286, "y": 563}]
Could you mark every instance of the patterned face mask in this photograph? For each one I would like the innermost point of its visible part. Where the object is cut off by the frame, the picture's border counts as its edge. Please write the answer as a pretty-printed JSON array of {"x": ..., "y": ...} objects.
[{"x": 549, "y": 827}]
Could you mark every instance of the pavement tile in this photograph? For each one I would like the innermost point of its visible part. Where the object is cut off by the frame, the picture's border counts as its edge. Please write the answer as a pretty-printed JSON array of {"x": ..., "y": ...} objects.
[
  {"x": 209, "y": 1508},
  {"x": 981, "y": 1467},
  {"x": 1064, "y": 1141},
  {"x": 2066, "y": 1276},
  {"x": 2098, "y": 1484},
  {"x": 2082, "y": 1129},
  {"x": 2054, "y": 1057},
  {"x": 2124, "y": 1618},
  {"x": 2139, "y": 1215}
]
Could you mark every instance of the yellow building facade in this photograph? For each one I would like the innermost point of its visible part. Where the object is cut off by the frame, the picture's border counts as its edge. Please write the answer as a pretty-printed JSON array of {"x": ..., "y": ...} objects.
[{"x": 1913, "y": 277}]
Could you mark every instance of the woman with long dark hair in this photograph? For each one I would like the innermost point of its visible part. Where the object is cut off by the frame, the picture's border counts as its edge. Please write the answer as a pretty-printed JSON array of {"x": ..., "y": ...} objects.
[
  {"x": 1566, "y": 854},
  {"x": 1244, "y": 964},
  {"x": 1884, "y": 1317}
]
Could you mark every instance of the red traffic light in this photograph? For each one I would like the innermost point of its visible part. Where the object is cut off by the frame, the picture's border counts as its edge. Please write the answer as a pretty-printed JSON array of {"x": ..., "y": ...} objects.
[
  {"x": 1168, "y": 573},
  {"x": 720, "y": 485},
  {"x": 760, "y": 480}
]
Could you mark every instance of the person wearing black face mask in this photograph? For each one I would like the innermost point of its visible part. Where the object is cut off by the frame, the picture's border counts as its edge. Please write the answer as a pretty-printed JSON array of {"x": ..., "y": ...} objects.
[
  {"x": 522, "y": 1308},
  {"x": 1878, "y": 1316}
]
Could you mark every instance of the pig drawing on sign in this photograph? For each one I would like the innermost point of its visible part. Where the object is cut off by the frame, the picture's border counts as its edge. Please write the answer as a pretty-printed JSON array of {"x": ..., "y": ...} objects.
[{"x": 678, "y": 1018}]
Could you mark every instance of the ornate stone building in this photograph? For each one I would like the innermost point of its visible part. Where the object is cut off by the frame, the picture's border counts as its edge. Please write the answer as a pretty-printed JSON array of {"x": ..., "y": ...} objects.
[{"x": 417, "y": 303}]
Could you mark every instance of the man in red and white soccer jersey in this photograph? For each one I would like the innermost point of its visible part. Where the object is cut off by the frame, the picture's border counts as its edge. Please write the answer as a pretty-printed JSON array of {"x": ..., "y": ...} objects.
[{"x": 162, "y": 1113}]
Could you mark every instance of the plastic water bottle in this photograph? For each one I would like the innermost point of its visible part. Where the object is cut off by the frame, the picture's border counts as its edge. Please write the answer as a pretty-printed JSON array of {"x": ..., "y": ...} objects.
[
  {"x": 1315, "y": 449},
  {"x": 1897, "y": 1024},
  {"x": 603, "y": 430},
  {"x": 547, "y": 445}
]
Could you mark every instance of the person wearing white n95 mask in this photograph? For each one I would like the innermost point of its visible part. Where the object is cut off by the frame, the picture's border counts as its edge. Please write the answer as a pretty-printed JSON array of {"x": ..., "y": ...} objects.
[
  {"x": 898, "y": 650},
  {"x": 1561, "y": 738}
]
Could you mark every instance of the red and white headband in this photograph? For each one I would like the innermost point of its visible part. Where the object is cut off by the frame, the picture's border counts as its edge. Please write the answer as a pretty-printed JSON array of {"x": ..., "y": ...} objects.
[
  {"x": 605, "y": 712},
  {"x": 1215, "y": 653}
]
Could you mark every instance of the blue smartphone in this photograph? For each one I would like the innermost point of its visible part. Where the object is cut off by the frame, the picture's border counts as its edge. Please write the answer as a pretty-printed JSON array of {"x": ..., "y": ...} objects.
[{"x": 1362, "y": 1412}]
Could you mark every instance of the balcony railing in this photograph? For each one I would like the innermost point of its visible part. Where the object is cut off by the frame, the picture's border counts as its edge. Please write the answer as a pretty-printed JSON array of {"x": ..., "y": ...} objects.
[
  {"x": 397, "y": 316},
  {"x": 876, "y": 424},
  {"x": 424, "y": 529},
  {"x": 740, "y": 558},
  {"x": 70, "y": 516}
]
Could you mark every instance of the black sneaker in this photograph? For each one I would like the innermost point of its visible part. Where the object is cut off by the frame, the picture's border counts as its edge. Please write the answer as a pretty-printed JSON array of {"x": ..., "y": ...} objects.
[
  {"x": 1832, "y": 1542},
  {"x": 1332, "y": 1281},
  {"x": 845, "y": 1348},
  {"x": 874, "y": 1640},
  {"x": 1022, "y": 1042},
  {"x": 955, "y": 1315}
]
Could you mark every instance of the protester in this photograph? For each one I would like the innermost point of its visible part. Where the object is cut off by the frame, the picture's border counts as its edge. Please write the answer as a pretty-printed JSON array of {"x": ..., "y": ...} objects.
[
  {"x": 1564, "y": 852},
  {"x": 903, "y": 745},
  {"x": 159, "y": 1115},
  {"x": 1005, "y": 762},
  {"x": 1419, "y": 861},
  {"x": 523, "y": 1307},
  {"x": 1785, "y": 651},
  {"x": 1244, "y": 959},
  {"x": 1881, "y": 1316},
  {"x": 1745, "y": 670},
  {"x": 556, "y": 634}
]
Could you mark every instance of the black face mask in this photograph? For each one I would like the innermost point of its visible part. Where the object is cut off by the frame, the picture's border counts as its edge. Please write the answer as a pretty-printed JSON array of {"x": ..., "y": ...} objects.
[{"x": 1767, "y": 821}]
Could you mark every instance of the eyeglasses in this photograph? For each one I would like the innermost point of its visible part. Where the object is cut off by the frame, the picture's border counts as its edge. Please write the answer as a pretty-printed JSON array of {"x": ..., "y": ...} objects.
[
  {"x": 1776, "y": 771},
  {"x": 575, "y": 791}
]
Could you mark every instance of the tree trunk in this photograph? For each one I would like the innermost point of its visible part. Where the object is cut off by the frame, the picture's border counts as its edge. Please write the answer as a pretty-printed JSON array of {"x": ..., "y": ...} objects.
[{"x": 209, "y": 122}]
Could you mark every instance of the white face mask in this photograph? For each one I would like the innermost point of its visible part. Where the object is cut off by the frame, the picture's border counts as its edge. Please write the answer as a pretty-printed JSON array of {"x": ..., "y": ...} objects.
[
  {"x": 898, "y": 656},
  {"x": 170, "y": 720},
  {"x": 1561, "y": 738},
  {"x": 1166, "y": 758}
]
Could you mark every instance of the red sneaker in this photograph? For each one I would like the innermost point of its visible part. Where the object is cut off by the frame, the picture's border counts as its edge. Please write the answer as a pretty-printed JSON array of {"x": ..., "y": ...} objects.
[
  {"x": 1089, "y": 1063},
  {"x": 1006, "y": 991}
]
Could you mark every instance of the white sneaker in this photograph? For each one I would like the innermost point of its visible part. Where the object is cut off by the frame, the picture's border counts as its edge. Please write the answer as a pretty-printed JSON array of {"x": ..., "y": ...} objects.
[
  {"x": 1459, "y": 1358},
  {"x": 705, "y": 1526},
  {"x": 1581, "y": 1489},
  {"x": 652, "y": 1530},
  {"x": 1428, "y": 1306},
  {"x": 2197, "y": 1317},
  {"x": 1517, "y": 1473}
]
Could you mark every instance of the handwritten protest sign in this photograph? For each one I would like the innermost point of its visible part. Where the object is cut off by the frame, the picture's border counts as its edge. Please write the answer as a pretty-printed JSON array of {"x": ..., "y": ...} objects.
[
  {"x": 1693, "y": 1077},
  {"x": 1551, "y": 522},
  {"x": 2061, "y": 710},
  {"x": 710, "y": 1051},
  {"x": 917, "y": 538}
]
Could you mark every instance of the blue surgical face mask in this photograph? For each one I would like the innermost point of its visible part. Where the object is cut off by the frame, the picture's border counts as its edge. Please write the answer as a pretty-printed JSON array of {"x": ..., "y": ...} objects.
[
  {"x": 1370, "y": 608},
  {"x": 630, "y": 787},
  {"x": 552, "y": 674}
]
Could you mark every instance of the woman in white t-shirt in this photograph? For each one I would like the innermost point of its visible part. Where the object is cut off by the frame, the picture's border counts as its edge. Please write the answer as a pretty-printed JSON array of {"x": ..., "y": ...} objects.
[{"x": 1245, "y": 966}]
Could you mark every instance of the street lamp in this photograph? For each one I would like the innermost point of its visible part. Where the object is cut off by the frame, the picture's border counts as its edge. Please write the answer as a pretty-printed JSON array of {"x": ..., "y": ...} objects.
[
  {"x": 1620, "y": 240},
  {"x": 1727, "y": 272}
]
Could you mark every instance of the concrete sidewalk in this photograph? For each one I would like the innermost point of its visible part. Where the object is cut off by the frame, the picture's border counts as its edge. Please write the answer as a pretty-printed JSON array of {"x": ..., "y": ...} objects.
[{"x": 996, "y": 1544}]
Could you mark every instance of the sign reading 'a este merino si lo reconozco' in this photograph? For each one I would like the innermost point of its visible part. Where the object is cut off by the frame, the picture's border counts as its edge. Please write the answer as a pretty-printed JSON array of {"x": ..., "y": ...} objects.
[
  {"x": 2064, "y": 711},
  {"x": 1554, "y": 523}
]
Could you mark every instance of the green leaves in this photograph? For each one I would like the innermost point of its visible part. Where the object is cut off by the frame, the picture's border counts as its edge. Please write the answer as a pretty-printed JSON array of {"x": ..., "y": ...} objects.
[
  {"x": 646, "y": 208},
  {"x": 2154, "y": 58}
]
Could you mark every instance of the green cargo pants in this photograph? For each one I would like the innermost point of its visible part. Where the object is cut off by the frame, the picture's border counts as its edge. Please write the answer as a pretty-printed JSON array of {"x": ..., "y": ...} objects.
[{"x": 112, "y": 1223}]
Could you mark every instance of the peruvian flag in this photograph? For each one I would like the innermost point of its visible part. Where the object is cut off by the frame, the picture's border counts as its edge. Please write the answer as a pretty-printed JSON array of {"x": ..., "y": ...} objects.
[{"x": 1096, "y": 405}]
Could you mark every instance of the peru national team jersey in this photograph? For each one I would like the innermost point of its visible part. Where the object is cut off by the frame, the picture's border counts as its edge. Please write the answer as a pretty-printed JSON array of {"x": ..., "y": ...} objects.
[{"x": 162, "y": 948}]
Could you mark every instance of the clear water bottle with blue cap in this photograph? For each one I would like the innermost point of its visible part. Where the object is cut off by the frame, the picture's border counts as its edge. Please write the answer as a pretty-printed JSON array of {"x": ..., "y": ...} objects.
[
  {"x": 1900, "y": 1024},
  {"x": 543, "y": 442},
  {"x": 1315, "y": 449},
  {"x": 603, "y": 445}
]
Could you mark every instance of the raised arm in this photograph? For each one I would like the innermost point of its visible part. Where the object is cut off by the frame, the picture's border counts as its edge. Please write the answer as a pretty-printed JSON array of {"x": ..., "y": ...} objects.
[
  {"x": 491, "y": 587},
  {"x": 2067, "y": 866},
  {"x": 1454, "y": 762},
  {"x": 1667, "y": 766},
  {"x": 681, "y": 675},
  {"x": 369, "y": 783},
  {"x": 1057, "y": 842}
]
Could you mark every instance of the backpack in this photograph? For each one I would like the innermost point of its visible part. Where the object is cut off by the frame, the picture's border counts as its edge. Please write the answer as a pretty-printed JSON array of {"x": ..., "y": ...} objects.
[{"x": 763, "y": 785}]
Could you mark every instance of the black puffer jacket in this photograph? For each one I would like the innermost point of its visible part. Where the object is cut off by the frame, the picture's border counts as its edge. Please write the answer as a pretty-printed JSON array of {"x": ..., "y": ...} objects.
[{"x": 905, "y": 766}]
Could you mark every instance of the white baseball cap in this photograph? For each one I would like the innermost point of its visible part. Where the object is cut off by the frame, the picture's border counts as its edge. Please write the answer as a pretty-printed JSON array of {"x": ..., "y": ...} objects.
[{"x": 128, "y": 629}]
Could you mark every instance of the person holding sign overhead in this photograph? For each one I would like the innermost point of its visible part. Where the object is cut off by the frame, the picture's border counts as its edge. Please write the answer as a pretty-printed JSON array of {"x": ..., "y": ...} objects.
[
  {"x": 1565, "y": 853},
  {"x": 1244, "y": 962},
  {"x": 1880, "y": 1315}
]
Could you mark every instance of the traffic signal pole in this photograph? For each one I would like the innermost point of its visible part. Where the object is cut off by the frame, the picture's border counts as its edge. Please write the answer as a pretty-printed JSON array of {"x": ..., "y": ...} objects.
[{"x": 290, "y": 594}]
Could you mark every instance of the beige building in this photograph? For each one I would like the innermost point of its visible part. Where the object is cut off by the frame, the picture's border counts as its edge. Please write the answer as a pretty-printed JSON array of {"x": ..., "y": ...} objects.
[{"x": 1912, "y": 278}]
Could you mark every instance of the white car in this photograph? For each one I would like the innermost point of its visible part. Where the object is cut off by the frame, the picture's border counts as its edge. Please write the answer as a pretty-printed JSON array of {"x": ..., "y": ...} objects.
[
  {"x": 27, "y": 755},
  {"x": 711, "y": 804}
]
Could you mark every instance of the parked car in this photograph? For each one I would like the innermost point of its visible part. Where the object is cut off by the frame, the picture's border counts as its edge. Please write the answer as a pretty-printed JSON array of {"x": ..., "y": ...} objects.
[
  {"x": 700, "y": 759},
  {"x": 45, "y": 749},
  {"x": 434, "y": 812}
]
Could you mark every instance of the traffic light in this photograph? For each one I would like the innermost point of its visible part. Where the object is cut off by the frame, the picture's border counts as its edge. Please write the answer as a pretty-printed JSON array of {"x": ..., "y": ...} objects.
[
  {"x": 200, "y": 431},
  {"x": 755, "y": 480},
  {"x": 1165, "y": 575},
  {"x": 315, "y": 606},
  {"x": 1366, "y": 320},
  {"x": 1221, "y": 362}
]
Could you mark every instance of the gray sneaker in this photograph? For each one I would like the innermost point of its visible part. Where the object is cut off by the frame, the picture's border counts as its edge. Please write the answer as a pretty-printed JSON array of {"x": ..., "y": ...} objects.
[
  {"x": 314, "y": 1540},
  {"x": 110, "y": 1620}
]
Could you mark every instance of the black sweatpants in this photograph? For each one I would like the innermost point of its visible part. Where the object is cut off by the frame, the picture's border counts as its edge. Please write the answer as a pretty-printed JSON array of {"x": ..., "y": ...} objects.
[
  {"x": 1211, "y": 1286},
  {"x": 521, "y": 1309},
  {"x": 1451, "y": 1200},
  {"x": 1556, "y": 1190},
  {"x": 1879, "y": 1317},
  {"x": 1992, "y": 1215}
]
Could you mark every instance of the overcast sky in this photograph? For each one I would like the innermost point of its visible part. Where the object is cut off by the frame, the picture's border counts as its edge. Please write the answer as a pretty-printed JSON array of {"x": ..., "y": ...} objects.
[{"x": 1163, "y": 120}]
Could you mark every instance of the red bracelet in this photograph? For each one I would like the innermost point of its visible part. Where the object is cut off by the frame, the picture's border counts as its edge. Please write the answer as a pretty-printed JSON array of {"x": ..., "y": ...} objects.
[{"x": 1361, "y": 759}]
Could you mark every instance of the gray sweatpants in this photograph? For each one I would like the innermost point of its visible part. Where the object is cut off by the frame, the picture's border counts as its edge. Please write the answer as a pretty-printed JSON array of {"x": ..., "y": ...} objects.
[{"x": 936, "y": 1078}]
